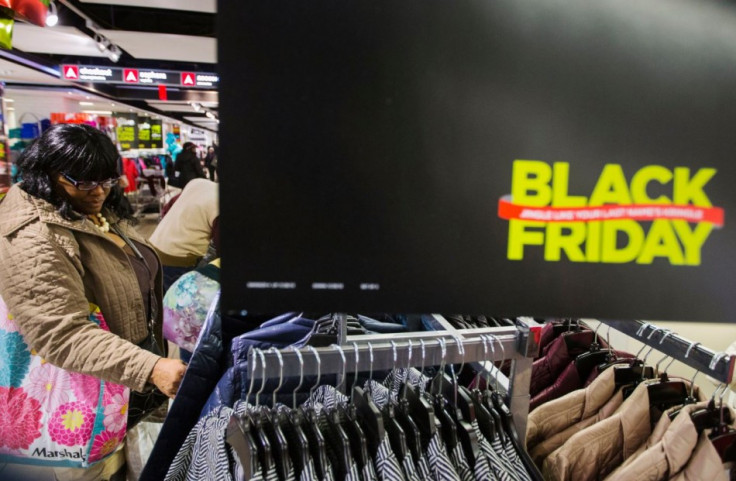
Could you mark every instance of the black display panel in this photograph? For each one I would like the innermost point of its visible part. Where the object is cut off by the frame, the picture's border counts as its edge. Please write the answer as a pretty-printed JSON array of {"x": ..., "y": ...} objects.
[{"x": 536, "y": 157}]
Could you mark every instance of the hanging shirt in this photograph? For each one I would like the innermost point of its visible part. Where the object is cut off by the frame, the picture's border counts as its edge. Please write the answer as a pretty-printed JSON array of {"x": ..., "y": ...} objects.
[
  {"x": 423, "y": 467},
  {"x": 204, "y": 454},
  {"x": 410, "y": 469},
  {"x": 460, "y": 461},
  {"x": 500, "y": 471},
  {"x": 518, "y": 465},
  {"x": 387, "y": 464},
  {"x": 439, "y": 462}
]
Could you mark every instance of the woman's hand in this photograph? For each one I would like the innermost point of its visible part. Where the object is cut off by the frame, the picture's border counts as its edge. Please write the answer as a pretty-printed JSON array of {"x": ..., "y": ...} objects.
[{"x": 167, "y": 375}]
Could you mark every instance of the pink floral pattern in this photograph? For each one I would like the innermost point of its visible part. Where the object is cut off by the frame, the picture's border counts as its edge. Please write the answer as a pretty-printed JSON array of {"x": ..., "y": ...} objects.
[
  {"x": 49, "y": 385},
  {"x": 6, "y": 319},
  {"x": 105, "y": 443},
  {"x": 20, "y": 418},
  {"x": 71, "y": 424},
  {"x": 116, "y": 413},
  {"x": 86, "y": 388}
]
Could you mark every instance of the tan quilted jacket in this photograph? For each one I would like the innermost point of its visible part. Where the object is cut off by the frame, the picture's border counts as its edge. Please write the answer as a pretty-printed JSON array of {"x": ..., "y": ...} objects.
[{"x": 50, "y": 268}]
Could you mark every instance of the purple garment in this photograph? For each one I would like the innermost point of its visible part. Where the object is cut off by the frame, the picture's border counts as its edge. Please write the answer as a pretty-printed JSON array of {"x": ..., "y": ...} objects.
[
  {"x": 566, "y": 382},
  {"x": 560, "y": 352}
]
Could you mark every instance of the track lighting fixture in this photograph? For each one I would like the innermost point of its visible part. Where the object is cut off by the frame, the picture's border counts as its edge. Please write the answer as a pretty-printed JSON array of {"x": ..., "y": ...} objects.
[{"x": 52, "y": 17}]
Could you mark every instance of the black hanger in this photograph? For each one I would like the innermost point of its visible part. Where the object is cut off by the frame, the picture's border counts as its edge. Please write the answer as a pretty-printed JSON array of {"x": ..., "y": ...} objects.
[
  {"x": 240, "y": 438},
  {"x": 273, "y": 428},
  {"x": 594, "y": 357},
  {"x": 317, "y": 445},
  {"x": 279, "y": 444},
  {"x": 369, "y": 414},
  {"x": 299, "y": 444},
  {"x": 566, "y": 325},
  {"x": 420, "y": 408},
  {"x": 403, "y": 411},
  {"x": 460, "y": 408},
  {"x": 396, "y": 434},
  {"x": 486, "y": 421},
  {"x": 358, "y": 441},
  {"x": 265, "y": 453},
  {"x": 264, "y": 444},
  {"x": 338, "y": 443}
]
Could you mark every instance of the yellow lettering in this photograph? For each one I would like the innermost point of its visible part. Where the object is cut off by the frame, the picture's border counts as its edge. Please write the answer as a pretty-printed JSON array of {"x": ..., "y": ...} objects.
[
  {"x": 530, "y": 183},
  {"x": 643, "y": 177},
  {"x": 611, "y": 187},
  {"x": 593, "y": 245},
  {"x": 661, "y": 242},
  {"x": 519, "y": 236},
  {"x": 560, "y": 183},
  {"x": 688, "y": 190},
  {"x": 610, "y": 253},
  {"x": 692, "y": 240},
  {"x": 571, "y": 242}
]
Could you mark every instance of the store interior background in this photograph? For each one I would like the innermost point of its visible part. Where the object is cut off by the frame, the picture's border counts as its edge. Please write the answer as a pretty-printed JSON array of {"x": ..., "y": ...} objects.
[
  {"x": 173, "y": 35},
  {"x": 176, "y": 35}
]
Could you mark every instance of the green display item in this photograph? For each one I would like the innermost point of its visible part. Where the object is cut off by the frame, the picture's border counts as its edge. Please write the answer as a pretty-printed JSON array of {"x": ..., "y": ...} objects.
[
  {"x": 14, "y": 133},
  {"x": 6, "y": 28}
]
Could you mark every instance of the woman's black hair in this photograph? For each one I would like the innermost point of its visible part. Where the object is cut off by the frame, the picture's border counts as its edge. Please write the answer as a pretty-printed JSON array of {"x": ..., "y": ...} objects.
[{"x": 79, "y": 151}]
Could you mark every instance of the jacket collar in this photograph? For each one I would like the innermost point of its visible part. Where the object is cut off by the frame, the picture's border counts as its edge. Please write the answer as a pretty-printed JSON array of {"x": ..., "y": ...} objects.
[{"x": 19, "y": 208}]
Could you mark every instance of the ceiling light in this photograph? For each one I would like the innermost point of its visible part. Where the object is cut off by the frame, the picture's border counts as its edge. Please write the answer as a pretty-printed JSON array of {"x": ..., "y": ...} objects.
[
  {"x": 114, "y": 53},
  {"x": 9, "y": 100},
  {"x": 97, "y": 112},
  {"x": 102, "y": 42},
  {"x": 210, "y": 115},
  {"x": 51, "y": 16},
  {"x": 86, "y": 103},
  {"x": 10, "y": 108}
]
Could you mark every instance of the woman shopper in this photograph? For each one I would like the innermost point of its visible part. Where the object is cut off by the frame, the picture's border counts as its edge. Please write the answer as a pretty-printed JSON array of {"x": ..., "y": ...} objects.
[
  {"x": 187, "y": 165},
  {"x": 66, "y": 240}
]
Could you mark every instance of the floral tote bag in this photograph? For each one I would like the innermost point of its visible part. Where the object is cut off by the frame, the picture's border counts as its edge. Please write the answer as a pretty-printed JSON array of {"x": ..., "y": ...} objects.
[{"x": 53, "y": 417}]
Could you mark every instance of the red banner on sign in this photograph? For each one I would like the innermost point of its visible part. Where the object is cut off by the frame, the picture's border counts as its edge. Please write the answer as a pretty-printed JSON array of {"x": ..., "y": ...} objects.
[{"x": 638, "y": 212}]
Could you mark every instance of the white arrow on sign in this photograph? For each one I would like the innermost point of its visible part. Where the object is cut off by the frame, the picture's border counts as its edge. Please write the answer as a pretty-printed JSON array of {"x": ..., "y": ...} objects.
[
  {"x": 188, "y": 80},
  {"x": 70, "y": 73},
  {"x": 131, "y": 77}
]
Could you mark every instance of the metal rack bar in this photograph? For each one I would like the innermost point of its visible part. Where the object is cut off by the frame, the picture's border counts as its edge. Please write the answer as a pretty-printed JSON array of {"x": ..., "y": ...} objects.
[
  {"x": 720, "y": 367},
  {"x": 385, "y": 355}
]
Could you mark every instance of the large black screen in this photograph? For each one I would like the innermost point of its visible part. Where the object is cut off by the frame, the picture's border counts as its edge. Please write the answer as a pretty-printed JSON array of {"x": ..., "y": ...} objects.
[{"x": 370, "y": 150}]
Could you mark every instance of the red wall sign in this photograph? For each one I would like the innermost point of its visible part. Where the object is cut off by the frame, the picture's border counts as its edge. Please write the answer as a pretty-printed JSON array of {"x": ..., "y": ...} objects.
[
  {"x": 70, "y": 72},
  {"x": 130, "y": 75},
  {"x": 188, "y": 78}
]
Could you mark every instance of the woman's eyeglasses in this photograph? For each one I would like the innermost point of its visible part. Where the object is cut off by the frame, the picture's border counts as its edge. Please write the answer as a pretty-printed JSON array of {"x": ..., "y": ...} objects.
[{"x": 91, "y": 184}]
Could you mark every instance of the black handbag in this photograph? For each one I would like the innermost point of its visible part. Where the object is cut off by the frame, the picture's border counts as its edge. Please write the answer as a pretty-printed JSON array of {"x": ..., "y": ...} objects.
[{"x": 142, "y": 404}]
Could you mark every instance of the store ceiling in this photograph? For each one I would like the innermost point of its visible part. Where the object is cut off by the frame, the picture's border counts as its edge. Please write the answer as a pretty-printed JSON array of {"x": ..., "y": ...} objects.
[{"x": 153, "y": 34}]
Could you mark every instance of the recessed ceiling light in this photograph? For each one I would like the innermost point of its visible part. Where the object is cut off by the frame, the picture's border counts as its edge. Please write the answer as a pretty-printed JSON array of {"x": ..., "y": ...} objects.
[
  {"x": 9, "y": 100},
  {"x": 86, "y": 103}
]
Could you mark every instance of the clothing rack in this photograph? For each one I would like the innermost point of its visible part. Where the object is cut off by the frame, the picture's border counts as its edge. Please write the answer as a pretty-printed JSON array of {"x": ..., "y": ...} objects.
[
  {"x": 719, "y": 366},
  {"x": 381, "y": 352}
]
